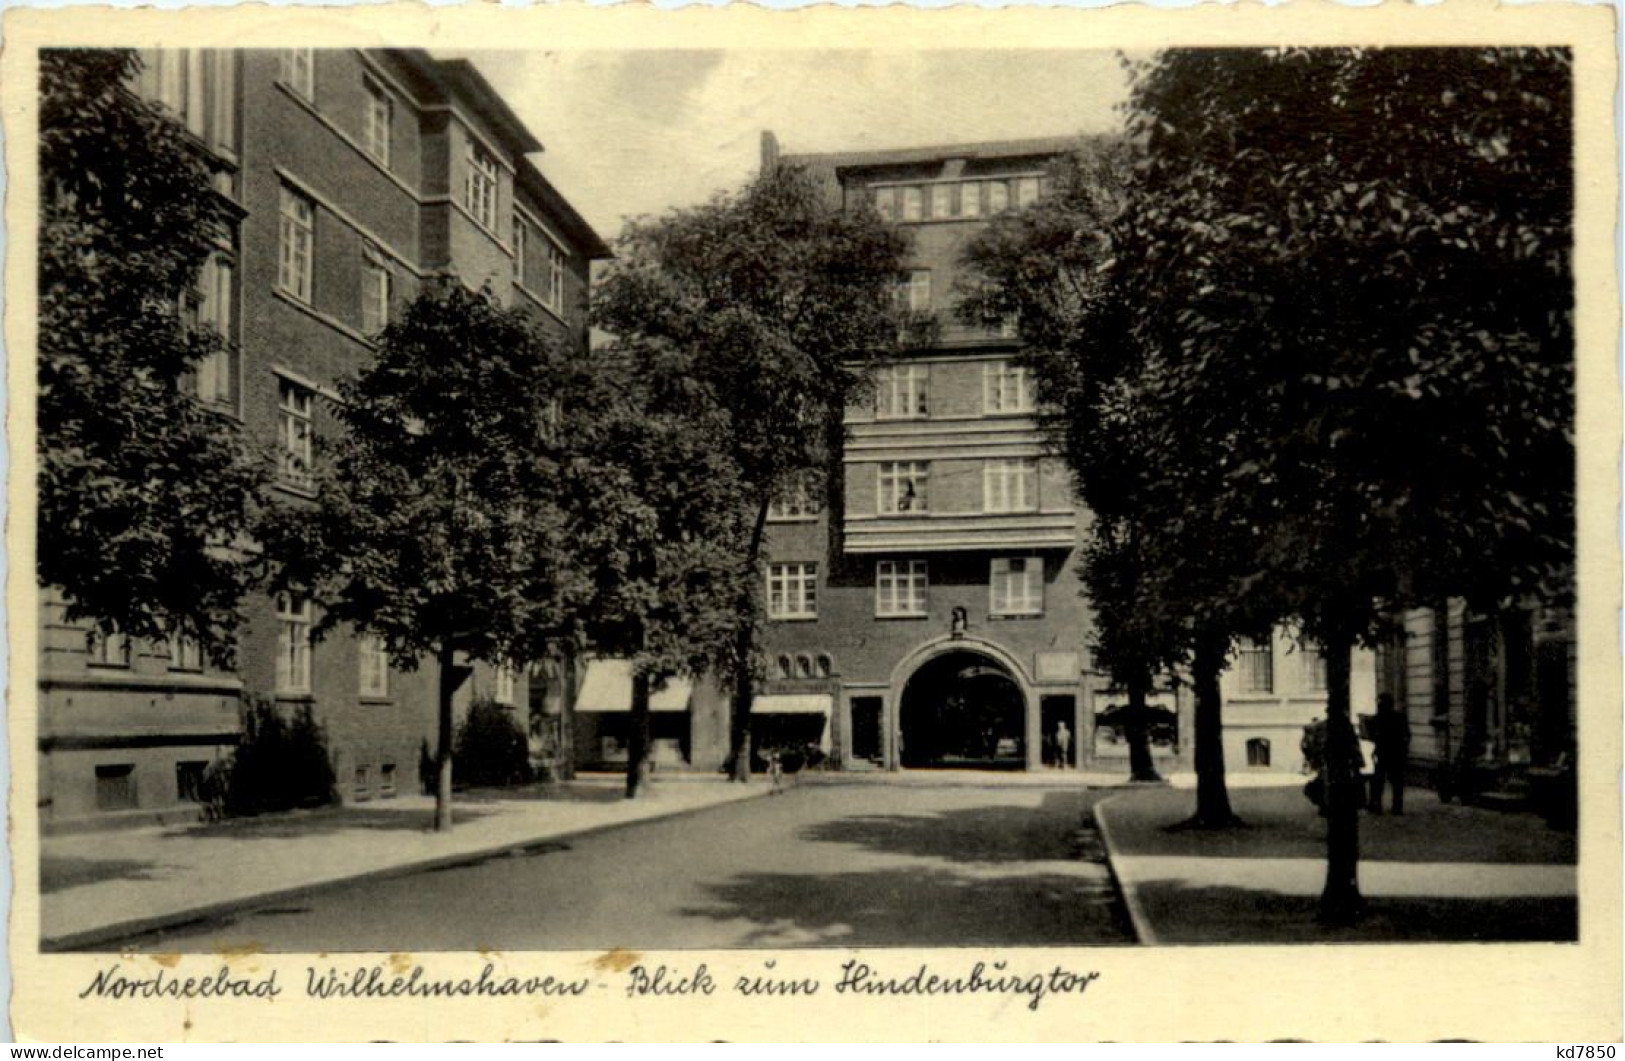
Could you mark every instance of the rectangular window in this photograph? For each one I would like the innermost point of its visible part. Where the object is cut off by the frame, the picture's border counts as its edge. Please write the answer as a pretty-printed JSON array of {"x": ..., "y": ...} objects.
[
  {"x": 299, "y": 70},
  {"x": 970, "y": 199},
  {"x": 377, "y": 123},
  {"x": 363, "y": 784},
  {"x": 1257, "y": 666},
  {"x": 900, "y": 587},
  {"x": 293, "y": 619},
  {"x": 1006, "y": 388},
  {"x": 185, "y": 654},
  {"x": 919, "y": 291},
  {"x": 886, "y": 203},
  {"x": 796, "y": 502},
  {"x": 480, "y": 187},
  {"x": 377, "y": 290},
  {"x": 1010, "y": 485},
  {"x": 1313, "y": 662},
  {"x": 1017, "y": 586},
  {"x": 295, "y": 237},
  {"x": 296, "y": 434},
  {"x": 904, "y": 487},
  {"x": 942, "y": 201},
  {"x": 998, "y": 196},
  {"x": 504, "y": 691},
  {"x": 792, "y": 591},
  {"x": 386, "y": 780},
  {"x": 115, "y": 786},
  {"x": 216, "y": 301},
  {"x": 913, "y": 204},
  {"x": 108, "y": 649},
  {"x": 374, "y": 667},
  {"x": 555, "y": 277},
  {"x": 1026, "y": 192},
  {"x": 901, "y": 391},
  {"x": 225, "y": 99},
  {"x": 518, "y": 250}
]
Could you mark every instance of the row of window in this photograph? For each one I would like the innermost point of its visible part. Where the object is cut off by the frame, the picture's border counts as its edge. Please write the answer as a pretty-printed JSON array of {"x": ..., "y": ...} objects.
[
  {"x": 114, "y": 650},
  {"x": 912, "y": 294},
  {"x": 1015, "y": 587},
  {"x": 947, "y": 200},
  {"x": 116, "y": 783},
  {"x": 1255, "y": 667},
  {"x": 902, "y": 392},
  {"x": 1008, "y": 485},
  {"x": 804, "y": 665}
]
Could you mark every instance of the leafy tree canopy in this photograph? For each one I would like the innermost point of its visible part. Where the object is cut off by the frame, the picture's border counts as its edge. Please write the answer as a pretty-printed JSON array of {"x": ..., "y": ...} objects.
[{"x": 145, "y": 496}]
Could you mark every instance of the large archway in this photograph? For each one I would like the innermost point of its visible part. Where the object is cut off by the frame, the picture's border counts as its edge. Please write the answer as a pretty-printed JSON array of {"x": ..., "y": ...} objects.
[{"x": 962, "y": 709}]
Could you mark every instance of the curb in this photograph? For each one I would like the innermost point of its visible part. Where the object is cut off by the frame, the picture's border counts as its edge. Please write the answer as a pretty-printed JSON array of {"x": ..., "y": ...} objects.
[
  {"x": 1144, "y": 934},
  {"x": 138, "y": 926}
]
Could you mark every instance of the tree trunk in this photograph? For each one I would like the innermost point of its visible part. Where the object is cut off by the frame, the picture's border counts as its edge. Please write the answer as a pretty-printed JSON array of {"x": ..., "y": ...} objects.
[
  {"x": 449, "y": 681},
  {"x": 637, "y": 745},
  {"x": 1140, "y": 766},
  {"x": 1340, "y": 902},
  {"x": 744, "y": 691},
  {"x": 1212, "y": 797},
  {"x": 567, "y": 716}
]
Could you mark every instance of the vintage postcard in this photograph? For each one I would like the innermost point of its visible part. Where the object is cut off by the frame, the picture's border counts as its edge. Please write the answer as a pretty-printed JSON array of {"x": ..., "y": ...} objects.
[{"x": 1031, "y": 524}]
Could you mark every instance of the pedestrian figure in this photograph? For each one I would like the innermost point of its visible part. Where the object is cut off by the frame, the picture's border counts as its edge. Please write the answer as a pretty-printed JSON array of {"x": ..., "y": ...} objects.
[
  {"x": 1393, "y": 740},
  {"x": 1063, "y": 746},
  {"x": 775, "y": 771}
]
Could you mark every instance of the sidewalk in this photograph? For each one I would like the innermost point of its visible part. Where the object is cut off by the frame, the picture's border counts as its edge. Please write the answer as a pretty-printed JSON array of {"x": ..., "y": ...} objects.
[
  {"x": 1442, "y": 872},
  {"x": 101, "y": 886}
]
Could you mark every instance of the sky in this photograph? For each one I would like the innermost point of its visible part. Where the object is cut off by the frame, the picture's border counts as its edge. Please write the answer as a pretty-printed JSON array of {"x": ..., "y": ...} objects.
[{"x": 638, "y": 132}]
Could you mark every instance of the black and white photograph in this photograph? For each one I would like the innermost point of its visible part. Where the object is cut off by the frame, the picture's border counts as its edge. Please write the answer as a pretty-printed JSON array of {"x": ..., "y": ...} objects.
[{"x": 951, "y": 519}]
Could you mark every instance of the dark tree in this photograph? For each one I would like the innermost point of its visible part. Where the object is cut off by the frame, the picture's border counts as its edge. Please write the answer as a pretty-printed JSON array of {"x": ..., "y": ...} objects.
[{"x": 145, "y": 495}]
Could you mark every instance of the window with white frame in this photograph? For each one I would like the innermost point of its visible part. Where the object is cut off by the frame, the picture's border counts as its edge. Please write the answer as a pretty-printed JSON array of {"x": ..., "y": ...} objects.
[
  {"x": 1010, "y": 485},
  {"x": 214, "y": 309},
  {"x": 970, "y": 199},
  {"x": 554, "y": 296},
  {"x": 293, "y": 619},
  {"x": 374, "y": 667},
  {"x": 900, "y": 587},
  {"x": 108, "y": 648},
  {"x": 377, "y": 290},
  {"x": 886, "y": 203},
  {"x": 299, "y": 70},
  {"x": 480, "y": 186},
  {"x": 901, "y": 392},
  {"x": 919, "y": 291},
  {"x": 797, "y": 501},
  {"x": 1256, "y": 666},
  {"x": 1312, "y": 660},
  {"x": 185, "y": 654},
  {"x": 1006, "y": 388},
  {"x": 903, "y": 487},
  {"x": 518, "y": 250},
  {"x": 296, "y": 234},
  {"x": 1017, "y": 586},
  {"x": 792, "y": 591},
  {"x": 377, "y": 122},
  {"x": 998, "y": 196},
  {"x": 942, "y": 200},
  {"x": 1026, "y": 191},
  {"x": 503, "y": 693},
  {"x": 296, "y": 433},
  {"x": 913, "y": 203}
]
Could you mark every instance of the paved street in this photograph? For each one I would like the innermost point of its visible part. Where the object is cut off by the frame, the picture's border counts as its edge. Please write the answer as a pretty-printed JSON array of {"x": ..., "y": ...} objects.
[{"x": 822, "y": 865}]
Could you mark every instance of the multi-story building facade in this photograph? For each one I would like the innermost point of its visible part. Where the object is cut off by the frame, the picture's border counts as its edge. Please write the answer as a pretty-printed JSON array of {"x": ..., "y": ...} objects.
[
  {"x": 356, "y": 176},
  {"x": 927, "y": 610}
]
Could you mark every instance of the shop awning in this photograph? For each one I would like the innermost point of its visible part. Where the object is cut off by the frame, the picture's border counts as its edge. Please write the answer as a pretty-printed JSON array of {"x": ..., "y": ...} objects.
[
  {"x": 608, "y": 687},
  {"x": 788, "y": 704}
]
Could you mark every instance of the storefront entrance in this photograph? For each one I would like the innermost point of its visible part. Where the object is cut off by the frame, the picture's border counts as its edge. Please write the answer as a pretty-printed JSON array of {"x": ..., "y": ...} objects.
[{"x": 962, "y": 709}]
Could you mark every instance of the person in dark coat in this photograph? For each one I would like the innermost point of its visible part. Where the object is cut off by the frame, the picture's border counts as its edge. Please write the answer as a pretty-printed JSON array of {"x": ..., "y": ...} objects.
[{"x": 1393, "y": 741}]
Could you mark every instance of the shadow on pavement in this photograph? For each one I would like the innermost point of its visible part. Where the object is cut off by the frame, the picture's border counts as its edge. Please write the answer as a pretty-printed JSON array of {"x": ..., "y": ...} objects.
[
  {"x": 321, "y": 822},
  {"x": 60, "y": 872},
  {"x": 917, "y": 907},
  {"x": 1238, "y": 915},
  {"x": 996, "y": 833}
]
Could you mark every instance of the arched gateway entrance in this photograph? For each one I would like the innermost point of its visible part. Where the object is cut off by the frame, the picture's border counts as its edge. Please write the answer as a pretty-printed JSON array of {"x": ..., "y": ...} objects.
[{"x": 962, "y": 708}]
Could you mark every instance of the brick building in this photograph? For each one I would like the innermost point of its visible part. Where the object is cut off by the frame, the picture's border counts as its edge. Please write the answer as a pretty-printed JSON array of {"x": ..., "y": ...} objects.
[
  {"x": 927, "y": 611},
  {"x": 357, "y": 175}
]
